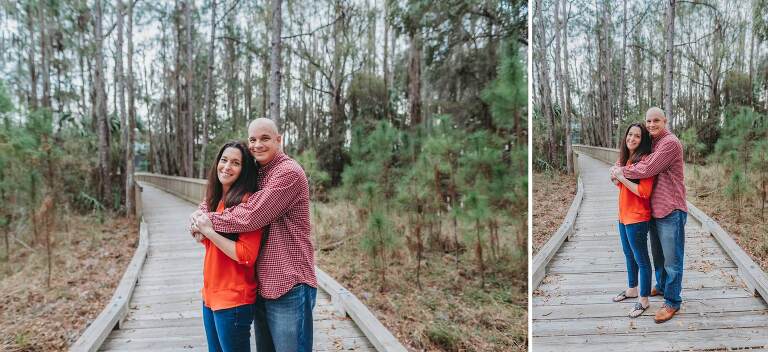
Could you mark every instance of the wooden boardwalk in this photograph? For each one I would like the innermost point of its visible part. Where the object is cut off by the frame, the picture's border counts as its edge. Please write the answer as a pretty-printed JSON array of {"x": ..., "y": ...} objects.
[
  {"x": 572, "y": 307},
  {"x": 165, "y": 312}
]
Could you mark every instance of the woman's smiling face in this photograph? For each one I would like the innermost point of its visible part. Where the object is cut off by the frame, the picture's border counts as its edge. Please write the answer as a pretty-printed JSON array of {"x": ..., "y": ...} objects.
[
  {"x": 229, "y": 167},
  {"x": 634, "y": 137}
]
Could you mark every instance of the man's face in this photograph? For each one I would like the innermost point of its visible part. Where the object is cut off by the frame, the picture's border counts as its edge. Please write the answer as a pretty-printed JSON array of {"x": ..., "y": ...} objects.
[
  {"x": 655, "y": 124},
  {"x": 263, "y": 143}
]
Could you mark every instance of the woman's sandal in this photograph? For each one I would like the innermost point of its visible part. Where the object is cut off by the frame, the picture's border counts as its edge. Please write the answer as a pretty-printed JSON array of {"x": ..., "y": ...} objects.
[
  {"x": 637, "y": 310},
  {"x": 622, "y": 296}
]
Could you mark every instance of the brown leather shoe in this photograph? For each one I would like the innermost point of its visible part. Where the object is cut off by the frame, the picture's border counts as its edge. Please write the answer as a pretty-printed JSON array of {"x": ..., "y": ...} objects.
[
  {"x": 655, "y": 292},
  {"x": 664, "y": 313}
]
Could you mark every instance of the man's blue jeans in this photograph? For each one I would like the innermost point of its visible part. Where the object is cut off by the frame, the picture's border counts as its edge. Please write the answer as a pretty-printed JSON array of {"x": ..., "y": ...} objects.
[
  {"x": 634, "y": 242},
  {"x": 228, "y": 329},
  {"x": 285, "y": 324},
  {"x": 668, "y": 248}
]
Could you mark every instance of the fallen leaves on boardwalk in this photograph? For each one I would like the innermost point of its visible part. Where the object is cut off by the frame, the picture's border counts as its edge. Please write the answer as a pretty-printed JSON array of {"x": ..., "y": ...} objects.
[
  {"x": 88, "y": 261},
  {"x": 552, "y": 196}
]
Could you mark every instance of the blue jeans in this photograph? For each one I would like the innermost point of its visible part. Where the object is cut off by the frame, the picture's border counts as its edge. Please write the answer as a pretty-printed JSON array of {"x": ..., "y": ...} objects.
[
  {"x": 228, "y": 329},
  {"x": 668, "y": 247},
  {"x": 285, "y": 324},
  {"x": 634, "y": 242}
]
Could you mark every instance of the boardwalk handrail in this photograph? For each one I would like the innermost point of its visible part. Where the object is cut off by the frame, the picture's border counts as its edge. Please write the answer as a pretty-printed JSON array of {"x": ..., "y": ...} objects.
[
  {"x": 113, "y": 314},
  {"x": 190, "y": 189},
  {"x": 753, "y": 276},
  {"x": 547, "y": 252},
  {"x": 344, "y": 301}
]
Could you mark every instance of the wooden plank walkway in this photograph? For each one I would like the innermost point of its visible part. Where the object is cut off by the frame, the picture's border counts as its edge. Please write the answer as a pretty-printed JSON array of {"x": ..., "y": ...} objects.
[
  {"x": 166, "y": 310},
  {"x": 572, "y": 307}
]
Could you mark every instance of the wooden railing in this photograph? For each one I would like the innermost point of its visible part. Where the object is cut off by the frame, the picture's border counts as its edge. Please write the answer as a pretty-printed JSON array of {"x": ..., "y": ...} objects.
[
  {"x": 753, "y": 276},
  {"x": 566, "y": 229},
  {"x": 112, "y": 316},
  {"x": 345, "y": 302},
  {"x": 191, "y": 189}
]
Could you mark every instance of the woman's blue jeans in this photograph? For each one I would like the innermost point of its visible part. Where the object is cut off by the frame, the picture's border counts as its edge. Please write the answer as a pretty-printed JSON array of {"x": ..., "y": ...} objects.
[
  {"x": 634, "y": 242},
  {"x": 228, "y": 329}
]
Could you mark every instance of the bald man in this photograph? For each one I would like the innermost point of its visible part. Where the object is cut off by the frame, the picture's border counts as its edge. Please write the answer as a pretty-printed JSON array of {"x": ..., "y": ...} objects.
[
  {"x": 669, "y": 211},
  {"x": 286, "y": 265}
]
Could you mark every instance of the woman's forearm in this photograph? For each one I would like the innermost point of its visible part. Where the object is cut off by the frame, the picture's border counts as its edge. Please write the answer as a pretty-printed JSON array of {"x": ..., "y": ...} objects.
[
  {"x": 630, "y": 185},
  {"x": 224, "y": 244}
]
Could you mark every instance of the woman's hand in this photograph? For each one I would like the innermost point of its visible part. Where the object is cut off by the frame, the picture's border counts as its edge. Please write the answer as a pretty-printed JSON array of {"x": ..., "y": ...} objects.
[
  {"x": 203, "y": 225},
  {"x": 617, "y": 173}
]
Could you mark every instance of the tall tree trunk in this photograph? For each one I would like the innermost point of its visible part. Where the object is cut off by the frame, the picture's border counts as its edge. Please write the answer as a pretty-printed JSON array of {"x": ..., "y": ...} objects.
[
  {"x": 209, "y": 84},
  {"x": 606, "y": 96},
  {"x": 31, "y": 58},
  {"x": 275, "y": 63},
  {"x": 120, "y": 81},
  {"x": 385, "y": 62},
  {"x": 669, "y": 24},
  {"x": 546, "y": 95},
  {"x": 101, "y": 110},
  {"x": 622, "y": 75},
  {"x": 414, "y": 78},
  {"x": 566, "y": 90},
  {"x": 45, "y": 60},
  {"x": 637, "y": 73},
  {"x": 558, "y": 64},
  {"x": 130, "y": 190},
  {"x": 189, "y": 131}
]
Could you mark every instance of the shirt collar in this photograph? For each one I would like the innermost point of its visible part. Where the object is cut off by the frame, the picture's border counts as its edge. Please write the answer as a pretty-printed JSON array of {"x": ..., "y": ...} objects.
[
  {"x": 280, "y": 156},
  {"x": 661, "y": 135}
]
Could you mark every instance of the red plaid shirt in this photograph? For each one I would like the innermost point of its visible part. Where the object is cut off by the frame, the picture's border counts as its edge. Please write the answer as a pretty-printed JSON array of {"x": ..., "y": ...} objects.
[
  {"x": 288, "y": 257},
  {"x": 666, "y": 161}
]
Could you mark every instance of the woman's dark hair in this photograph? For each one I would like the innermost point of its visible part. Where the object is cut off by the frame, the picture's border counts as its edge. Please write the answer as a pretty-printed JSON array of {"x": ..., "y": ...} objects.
[
  {"x": 643, "y": 149},
  {"x": 245, "y": 183}
]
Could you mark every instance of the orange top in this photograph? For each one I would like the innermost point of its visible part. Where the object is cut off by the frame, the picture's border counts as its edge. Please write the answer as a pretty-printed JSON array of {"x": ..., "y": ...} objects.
[
  {"x": 634, "y": 208},
  {"x": 228, "y": 283}
]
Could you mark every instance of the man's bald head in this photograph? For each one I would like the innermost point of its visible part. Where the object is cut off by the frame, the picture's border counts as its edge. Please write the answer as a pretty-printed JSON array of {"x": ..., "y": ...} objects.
[
  {"x": 655, "y": 121},
  {"x": 262, "y": 122}
]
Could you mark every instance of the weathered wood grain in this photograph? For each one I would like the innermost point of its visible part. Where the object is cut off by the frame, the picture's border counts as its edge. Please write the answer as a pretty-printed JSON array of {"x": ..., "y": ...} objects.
[{"x": 572, "y": 307}]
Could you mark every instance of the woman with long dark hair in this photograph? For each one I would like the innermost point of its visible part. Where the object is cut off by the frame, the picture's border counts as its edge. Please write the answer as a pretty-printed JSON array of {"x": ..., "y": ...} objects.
[
  {"x": 229, "y": 280},
  {"x": 634, "y": 218}
]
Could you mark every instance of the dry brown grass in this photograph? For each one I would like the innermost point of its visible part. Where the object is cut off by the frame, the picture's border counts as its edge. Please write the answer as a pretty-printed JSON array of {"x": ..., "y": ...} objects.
[
  {"x": 450, "y": 312},
  {"x": 88, "y": 261},
  {"x": 705, "y": 185},
  {"x": 552, "y": 196}
]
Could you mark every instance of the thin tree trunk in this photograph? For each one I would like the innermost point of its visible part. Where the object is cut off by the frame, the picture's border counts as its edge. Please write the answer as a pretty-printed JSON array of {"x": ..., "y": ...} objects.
[
  {"x": 622, "y": 75},
  {"x": 189, "y": 131},
  {"x": 120, "y": 87},
  {"x": 546, "y": 95},
  {"x": 45, "y": 55},
  {"x": 385, "y": 62},
  {"x": 275, "y": 62},
  {"x": 209, "y": 84},
  {"x": 566, "y": 91},
  {"x": 31, "y": 59},
  {"x": 414, "y": 79},
  {"x": 130, "y": 190},
  {"x": 101, "y": 110},
  {"x": 668, "y": 57}
]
